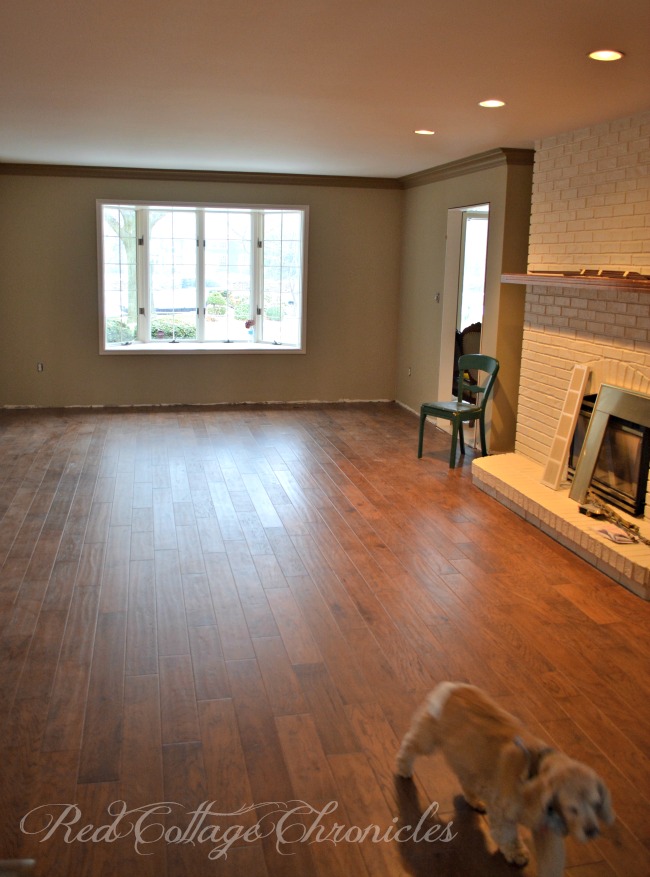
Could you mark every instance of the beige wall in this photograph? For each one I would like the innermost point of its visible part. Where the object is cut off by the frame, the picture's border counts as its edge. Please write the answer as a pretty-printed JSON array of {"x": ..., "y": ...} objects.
[
  {"x": 49, "y": 310},
  {"x": 506, "y": 188}
]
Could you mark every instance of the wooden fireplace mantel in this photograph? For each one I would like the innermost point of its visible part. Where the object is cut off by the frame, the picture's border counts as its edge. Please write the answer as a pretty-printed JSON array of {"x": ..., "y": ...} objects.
[{"x": 579, "y": 281}]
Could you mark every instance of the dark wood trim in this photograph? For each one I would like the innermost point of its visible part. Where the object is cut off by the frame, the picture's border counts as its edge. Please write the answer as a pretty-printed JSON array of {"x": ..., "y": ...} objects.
[
  {"x": 470, "y": 165},
  {"x": 196, "y": 176}
]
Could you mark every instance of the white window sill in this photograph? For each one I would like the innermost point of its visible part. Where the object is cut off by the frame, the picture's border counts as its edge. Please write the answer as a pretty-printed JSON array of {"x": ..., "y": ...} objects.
[{"x": 169, "y": 347}]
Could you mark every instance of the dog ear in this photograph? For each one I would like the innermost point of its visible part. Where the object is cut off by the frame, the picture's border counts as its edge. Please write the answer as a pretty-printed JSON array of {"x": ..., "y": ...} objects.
[
  {"x": 604, "y": 808},
  {"x": 514, "y": 764},
  {"x": 540, "y": 806},
  {"x": 554, "y": 818},
  {"x": 512, "y": 778}
]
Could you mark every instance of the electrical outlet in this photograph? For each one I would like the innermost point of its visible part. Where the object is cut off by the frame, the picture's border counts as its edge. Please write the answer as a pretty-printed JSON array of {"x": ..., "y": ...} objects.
[
  {"x": 409, "y": 373},
  {"x": 39, "y": 366}
]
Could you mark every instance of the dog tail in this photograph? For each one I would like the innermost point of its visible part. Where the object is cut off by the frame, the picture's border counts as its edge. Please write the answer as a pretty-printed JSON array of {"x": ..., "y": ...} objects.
[{"x": 439, "y": 697}]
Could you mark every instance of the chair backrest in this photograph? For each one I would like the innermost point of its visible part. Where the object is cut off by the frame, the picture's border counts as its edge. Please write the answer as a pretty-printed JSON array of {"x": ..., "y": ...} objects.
[
  {"x": 477, "y": 362},
  {"x": 470, "y": 342}
]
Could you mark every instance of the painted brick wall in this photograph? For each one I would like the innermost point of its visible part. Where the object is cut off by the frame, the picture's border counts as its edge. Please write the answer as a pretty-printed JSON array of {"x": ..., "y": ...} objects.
[
  {"x": 603, "y": 327},
  {"x": 590, "y": 209},
  {"x": 591, "y": 198}
]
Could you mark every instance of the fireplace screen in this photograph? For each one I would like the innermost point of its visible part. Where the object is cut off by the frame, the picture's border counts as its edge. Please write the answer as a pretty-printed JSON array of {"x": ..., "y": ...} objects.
[{"x": 621, "y": 474}]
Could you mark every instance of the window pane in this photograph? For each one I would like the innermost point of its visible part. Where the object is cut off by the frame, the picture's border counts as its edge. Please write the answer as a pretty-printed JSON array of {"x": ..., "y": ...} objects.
[
  {"x": 120, "y": 274},
  {"x": 292, "y": 225},
  {"x": 228, "y": 268},
  {"x": 272, "y": 252},
  {"x": 272, "y": 227},
  {"x": 172, "y": 274},
  {"x": 282, "y": 277}
]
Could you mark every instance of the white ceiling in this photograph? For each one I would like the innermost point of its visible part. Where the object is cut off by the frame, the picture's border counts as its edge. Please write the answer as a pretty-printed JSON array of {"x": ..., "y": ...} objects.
[{"x": 308, "y": 86}]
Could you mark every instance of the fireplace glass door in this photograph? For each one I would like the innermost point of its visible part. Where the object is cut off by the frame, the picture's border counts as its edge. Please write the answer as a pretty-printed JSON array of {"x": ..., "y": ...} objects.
[{"x": 621, "y": 474}]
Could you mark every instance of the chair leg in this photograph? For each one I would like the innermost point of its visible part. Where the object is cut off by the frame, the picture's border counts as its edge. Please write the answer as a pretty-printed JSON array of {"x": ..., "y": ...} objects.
[
  {"x": 461, "y": 435},
  {"x": 423, "y": 418},
  {"x": 454, "y": 436},
  {"x": 481, "y": 424}
]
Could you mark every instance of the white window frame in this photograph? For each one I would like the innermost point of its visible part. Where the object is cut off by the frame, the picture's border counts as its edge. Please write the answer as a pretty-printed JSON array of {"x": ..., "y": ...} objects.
[{"x": 145, "y": 345}]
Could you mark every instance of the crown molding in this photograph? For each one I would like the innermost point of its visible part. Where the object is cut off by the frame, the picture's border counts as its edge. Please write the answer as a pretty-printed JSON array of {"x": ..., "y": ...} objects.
[
  {"x": 470, "y": 165},
  {"x": 196, "y": 176}
]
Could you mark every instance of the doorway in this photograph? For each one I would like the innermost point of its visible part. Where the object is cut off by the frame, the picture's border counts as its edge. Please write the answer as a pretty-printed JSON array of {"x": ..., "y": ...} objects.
[
  {"x": 473, "y": 254},
  {"x": 464, "y": 290}
]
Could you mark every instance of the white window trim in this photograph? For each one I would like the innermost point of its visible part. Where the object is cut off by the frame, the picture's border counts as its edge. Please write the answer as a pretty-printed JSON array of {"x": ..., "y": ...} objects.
[{"x": 165, "y": 348}]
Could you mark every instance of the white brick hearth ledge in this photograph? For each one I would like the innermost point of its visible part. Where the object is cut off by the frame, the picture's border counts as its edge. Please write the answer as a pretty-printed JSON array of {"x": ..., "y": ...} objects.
[{"x": 515, "y": 481}]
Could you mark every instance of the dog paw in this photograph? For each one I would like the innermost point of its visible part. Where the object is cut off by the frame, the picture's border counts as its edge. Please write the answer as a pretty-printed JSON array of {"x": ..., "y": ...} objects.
[{"x": 518, "y": 856}]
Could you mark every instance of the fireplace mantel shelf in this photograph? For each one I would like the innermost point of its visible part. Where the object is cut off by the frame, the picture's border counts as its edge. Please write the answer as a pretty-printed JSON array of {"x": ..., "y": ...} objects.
[{"x": 574, "y": 281}]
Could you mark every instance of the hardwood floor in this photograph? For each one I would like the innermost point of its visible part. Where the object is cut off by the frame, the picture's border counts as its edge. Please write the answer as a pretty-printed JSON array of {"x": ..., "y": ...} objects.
[{"x": 235, "y": 607}]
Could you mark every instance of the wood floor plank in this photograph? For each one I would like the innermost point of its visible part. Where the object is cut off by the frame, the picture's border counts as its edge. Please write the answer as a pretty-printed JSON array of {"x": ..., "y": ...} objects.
[
  {"x": 333, "y": 592},
  {"x": 310, "y": 774},
  {"x": 298, "y": 641},
  {"x": 102, "y": 733},
  {"x": 55, "y": 784},
  {"x": 378, "y": 741},
  {"x": 41, "y": 661},
  {"x": 229, "y": 525},
  {"x": 280, "y": 681},
  {"x": 170, "y": 605},
  {"x": 223, "y": 756},
  {"x": 334, "y": 730},
  {"x": 98, "y": 522},
  {"x": 269, "y": 572},
  {"x": 267, "y": 772},
  {"x": 209, "y": 534},
  {"x": 141, "y": 767},
  {"x": 141, "y": 640},
  {"x": 178, "y": 700},
  {"x": 199, "y": 610},
  {"x": 265, "y": 763},
  {"x": 67, "y": 707},
  {"x": 164, "y": 524},
  {"x": 365, "y": 805},
  {"x": 185, "y": 786},
  {"x": 233, "y": 630},
  {"x": 208, "y": 665},
  {"x": 337, "y": 655},
  {"x": 190, "y": 551}
]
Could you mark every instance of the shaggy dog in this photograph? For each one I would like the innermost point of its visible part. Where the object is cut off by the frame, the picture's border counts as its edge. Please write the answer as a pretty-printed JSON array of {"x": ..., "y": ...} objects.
[{"x": 511, "y": 775}]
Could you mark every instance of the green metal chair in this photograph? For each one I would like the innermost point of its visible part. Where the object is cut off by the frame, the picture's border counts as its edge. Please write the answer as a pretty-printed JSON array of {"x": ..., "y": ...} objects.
[{"x": 458, "y": 411}]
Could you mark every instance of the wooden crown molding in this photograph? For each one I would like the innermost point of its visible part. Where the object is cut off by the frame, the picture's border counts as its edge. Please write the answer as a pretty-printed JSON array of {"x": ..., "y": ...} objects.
[
  {"x": 197, "y": 176},
  {"x": 470, "y": 165}
]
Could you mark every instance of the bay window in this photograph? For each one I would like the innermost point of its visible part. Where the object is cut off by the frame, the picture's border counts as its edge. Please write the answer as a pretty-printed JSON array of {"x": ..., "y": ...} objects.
[{"x": 201, "y": 278}]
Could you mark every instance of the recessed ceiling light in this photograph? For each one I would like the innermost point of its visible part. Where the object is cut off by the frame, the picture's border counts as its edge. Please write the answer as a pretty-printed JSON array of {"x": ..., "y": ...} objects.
[
  {"x": 424, "y": 131},
  {"x": 491, "y": 103},
  {"x": 606, "y": 55}
]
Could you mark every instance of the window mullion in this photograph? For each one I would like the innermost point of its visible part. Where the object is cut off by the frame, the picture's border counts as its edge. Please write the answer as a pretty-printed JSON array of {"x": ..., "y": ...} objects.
[
  {"x": 142, "y": 273},
  {"x": 200, "y": 275},
  {"x": 258, "y": 274}
]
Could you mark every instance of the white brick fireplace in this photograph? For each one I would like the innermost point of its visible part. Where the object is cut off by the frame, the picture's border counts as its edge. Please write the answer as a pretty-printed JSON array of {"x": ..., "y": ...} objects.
[{"x": 590, "y": 210}]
